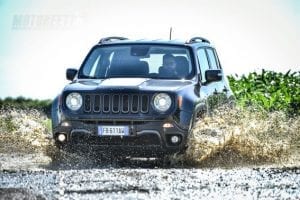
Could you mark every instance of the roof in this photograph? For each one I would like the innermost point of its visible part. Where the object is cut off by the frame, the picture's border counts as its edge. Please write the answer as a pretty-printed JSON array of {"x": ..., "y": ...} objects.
[{"x": 196, "y": 41}]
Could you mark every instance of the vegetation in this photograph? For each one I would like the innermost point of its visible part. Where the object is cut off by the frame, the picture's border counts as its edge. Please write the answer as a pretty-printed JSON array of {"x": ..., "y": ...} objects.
[
  {"x": 271, "y": 91},
  {"x": 25, "y": 103}
]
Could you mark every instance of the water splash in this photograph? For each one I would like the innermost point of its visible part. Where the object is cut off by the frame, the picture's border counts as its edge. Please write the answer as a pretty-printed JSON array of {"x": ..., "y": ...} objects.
[
  {"x": 232, "y": 137},
  {"x": 25, "y": 139},
  {"x": 24, "y": 130},
  {"x": 226, "y": 137}
]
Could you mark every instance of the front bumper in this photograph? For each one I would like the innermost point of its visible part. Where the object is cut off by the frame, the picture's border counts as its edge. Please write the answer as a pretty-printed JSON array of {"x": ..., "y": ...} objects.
[{"x": 146, "y": 138}]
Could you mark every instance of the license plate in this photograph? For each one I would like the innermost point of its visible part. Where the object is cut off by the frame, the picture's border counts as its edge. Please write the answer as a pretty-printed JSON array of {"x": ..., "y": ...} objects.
[{"x": 113, "y": 130}]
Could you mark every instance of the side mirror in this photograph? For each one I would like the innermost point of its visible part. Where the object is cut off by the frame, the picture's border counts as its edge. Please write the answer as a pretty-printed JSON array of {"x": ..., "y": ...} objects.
[
  {"x": 71, "y": 73},
  {"x": 213, "y": 75}
]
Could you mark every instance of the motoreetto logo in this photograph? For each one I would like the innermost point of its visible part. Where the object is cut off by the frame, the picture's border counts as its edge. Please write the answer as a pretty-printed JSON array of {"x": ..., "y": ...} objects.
[{"x": 45, "y": 22}]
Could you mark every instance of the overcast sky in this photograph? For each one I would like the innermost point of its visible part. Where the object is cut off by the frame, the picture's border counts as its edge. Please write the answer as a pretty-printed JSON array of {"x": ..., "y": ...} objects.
[{"x": 39, "y": 40}]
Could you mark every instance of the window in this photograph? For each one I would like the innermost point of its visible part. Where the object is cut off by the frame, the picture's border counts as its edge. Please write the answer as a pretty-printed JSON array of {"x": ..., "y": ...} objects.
[
  {"x": 212, "y": 59},
  {"x": 137, "y": 61},
  {"x": 203, "y": 63},
  {"x": 92, "y": 64}
]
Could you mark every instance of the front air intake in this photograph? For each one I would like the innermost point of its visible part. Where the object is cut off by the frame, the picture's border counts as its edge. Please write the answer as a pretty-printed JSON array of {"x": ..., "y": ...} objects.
[{"x": 116, "y": 103}]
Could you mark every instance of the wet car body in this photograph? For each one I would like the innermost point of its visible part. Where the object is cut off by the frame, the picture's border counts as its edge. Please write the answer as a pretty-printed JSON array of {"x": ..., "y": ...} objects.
[{"x": 119, "y": 112}]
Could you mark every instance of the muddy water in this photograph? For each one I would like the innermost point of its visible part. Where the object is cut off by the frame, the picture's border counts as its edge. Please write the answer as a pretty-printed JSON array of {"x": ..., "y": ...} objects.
[{"x": 232, "y": 154}]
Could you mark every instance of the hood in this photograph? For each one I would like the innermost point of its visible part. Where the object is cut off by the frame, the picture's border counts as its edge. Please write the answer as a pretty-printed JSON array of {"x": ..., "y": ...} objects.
[{"x": 128, "y": 83}]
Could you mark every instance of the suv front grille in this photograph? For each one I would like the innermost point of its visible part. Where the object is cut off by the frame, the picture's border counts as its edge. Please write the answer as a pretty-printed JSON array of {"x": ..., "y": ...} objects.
[{"x": 116, "y": 103}]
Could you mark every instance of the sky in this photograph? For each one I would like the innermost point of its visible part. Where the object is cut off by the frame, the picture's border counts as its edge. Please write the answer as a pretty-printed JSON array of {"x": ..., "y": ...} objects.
[{"x": 39, "y": 40}]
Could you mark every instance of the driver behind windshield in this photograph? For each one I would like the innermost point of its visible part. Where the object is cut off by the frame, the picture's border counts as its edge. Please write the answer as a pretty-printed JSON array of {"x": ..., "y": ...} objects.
[{"x": 168, "y": 69}]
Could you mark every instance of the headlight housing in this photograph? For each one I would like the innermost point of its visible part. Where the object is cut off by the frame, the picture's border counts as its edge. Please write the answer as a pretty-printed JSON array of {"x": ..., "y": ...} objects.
[
  {"x": 162, "y": 102},
  {"x": 74, "y": 101}
]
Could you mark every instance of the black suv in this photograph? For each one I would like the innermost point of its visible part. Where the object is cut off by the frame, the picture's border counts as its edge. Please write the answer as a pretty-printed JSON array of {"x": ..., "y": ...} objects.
[{"x": 138, "y": 97}]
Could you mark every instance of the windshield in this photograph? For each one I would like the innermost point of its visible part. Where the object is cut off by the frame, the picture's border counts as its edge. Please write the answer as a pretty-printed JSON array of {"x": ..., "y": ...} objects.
[{"x": 149, "y": 61}]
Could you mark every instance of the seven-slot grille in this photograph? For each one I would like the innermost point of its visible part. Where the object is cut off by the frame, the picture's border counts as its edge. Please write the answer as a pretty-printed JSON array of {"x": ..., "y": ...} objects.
[{"x": 116, "y": 103}]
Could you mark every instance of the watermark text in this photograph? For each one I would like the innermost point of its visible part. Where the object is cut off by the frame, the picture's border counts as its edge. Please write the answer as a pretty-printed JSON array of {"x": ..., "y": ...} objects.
[{"x": 45, "y": 22}]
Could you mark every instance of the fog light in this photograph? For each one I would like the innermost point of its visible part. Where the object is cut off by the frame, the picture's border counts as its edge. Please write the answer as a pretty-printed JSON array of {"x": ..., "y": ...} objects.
[
  {"x": 65, "y": 124},
  {"x": 175, "y": 139},
  {"x": 168, "y": 125},
  {"x": 61, "y": 137}
]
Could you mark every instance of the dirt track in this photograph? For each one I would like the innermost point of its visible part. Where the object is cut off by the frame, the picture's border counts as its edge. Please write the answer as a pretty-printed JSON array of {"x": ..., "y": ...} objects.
[{"x": 81, "y": 177}]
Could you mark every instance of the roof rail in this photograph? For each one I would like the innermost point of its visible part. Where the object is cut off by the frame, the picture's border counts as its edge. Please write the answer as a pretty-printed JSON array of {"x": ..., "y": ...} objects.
[
  {"x": 198, "y": 39},
  {"x": 109, "y": 39}
]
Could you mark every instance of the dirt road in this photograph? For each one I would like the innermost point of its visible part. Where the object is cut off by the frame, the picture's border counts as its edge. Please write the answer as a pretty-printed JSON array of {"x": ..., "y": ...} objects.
[{"x": 81, "y": 177}]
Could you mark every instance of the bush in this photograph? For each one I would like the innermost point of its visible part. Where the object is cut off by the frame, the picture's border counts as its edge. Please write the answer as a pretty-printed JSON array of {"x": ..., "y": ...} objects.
[
  {"x": 25, "y": 103},
  {"x": 269, "y": 90}
]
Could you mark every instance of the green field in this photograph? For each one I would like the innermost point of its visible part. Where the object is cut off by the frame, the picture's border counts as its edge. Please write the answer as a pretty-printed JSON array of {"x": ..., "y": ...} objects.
[{"x": 269, "y": 90}]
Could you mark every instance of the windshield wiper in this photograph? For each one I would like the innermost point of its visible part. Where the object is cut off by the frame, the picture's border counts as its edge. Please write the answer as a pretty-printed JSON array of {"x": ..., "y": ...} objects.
[
  {"x": 165, "y": 78},
  {"x": 91, "y": 77},
  {"x": 126, "y": 76}
]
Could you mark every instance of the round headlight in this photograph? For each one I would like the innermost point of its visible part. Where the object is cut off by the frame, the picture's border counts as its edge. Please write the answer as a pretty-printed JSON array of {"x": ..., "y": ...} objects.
[
  {"x": 162, "y": 102},
  {"x": 74, "y": 101}
]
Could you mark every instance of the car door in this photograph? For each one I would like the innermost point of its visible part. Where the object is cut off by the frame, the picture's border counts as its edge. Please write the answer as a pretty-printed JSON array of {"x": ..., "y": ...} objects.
[
  {"x": 222, "y": 86},
  {"x": 205, "y": 90},
  {"x": 211, "y": 91},
  {"x": 214, "y": 64}
]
